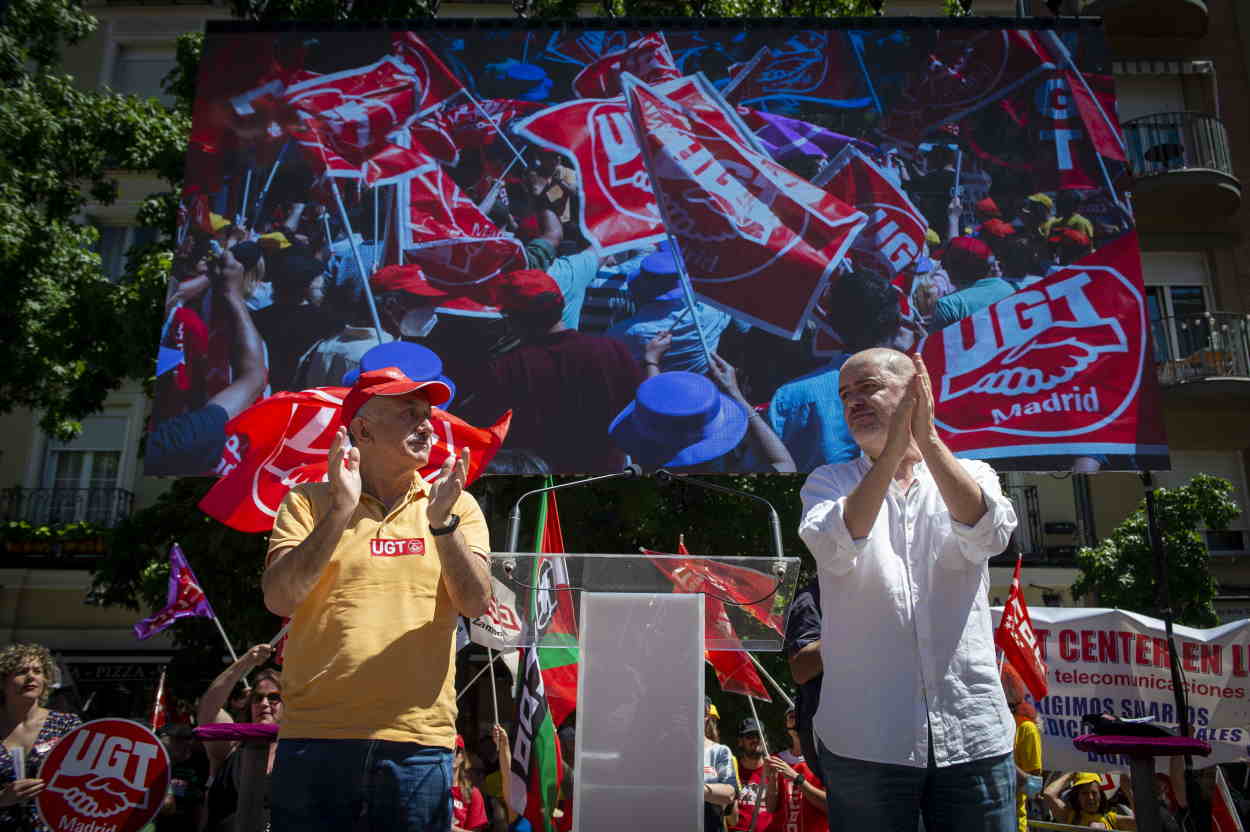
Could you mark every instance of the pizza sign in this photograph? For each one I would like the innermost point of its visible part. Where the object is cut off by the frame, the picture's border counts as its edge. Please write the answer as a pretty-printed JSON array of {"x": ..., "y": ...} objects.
[{"x": 108, "y": 775}]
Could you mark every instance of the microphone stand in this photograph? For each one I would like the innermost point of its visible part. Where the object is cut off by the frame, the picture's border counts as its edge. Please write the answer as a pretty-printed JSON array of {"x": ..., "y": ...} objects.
[
  {"x": 666, "y": 476},
  {"x": 514, "y": 519}
]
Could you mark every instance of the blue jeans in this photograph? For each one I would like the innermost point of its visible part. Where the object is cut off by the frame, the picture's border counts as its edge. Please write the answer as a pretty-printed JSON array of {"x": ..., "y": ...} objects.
[
  {"x": 333, "y": 784},
  {"x": 969, "y": 797}
]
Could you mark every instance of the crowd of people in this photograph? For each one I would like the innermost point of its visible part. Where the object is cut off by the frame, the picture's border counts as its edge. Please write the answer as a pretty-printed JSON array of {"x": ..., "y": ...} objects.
[{"x": 572, "y": 340}]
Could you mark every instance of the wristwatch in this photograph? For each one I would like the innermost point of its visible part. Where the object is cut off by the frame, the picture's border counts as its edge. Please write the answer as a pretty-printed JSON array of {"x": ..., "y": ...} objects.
[
  {"x": 452, "y": 523},
  {"x": 799, "y": 778}
]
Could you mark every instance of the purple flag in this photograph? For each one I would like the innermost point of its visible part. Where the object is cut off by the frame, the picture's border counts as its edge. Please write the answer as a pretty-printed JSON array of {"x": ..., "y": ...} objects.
[
  {"x": 788, "y": 138},
  {"x": 184, "y": 599}
]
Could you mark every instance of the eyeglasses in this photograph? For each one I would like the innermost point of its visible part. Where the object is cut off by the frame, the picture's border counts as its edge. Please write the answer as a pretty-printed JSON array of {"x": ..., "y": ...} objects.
[{"x": 272, "y": 698}]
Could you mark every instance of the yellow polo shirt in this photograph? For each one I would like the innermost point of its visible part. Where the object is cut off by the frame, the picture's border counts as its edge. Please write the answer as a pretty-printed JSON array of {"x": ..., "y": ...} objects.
[{"x": 371, "y": 651}]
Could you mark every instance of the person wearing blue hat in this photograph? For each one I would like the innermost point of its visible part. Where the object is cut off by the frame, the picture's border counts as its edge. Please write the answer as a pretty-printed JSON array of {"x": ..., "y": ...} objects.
[
  {"x": 681, "y": 420},
  {"x": 662, "y": 308}
]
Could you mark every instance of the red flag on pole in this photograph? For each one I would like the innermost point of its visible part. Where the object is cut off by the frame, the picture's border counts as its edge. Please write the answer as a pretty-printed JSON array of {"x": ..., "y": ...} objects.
[
  {"x": 1224, "y": 814},
  {"x": 734, "y": 670},
  {"x": 444, "y": 232},
  {"x": 284, "y": 440},
  {"x": 756, "y": 240},
  {"x": 160, "y": 705},
  {"x": 435, "y": 83},
  {"x": 619, "y": 212},
  {"x": 1015, "y": 637},
  {"x": 647, "y": 58}
]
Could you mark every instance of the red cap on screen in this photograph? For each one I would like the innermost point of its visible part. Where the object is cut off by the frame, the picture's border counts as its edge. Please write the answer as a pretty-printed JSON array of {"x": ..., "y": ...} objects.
[
  {"x": 389, "y": 381},
  {"x": 408, "y": 279}
]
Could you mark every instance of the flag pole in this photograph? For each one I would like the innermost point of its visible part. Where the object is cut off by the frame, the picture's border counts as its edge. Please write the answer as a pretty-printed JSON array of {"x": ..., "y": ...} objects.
[
  {"x": 273, "y": 642},
  {"x": 233, "y": 655},
  {"x": 241, "y": 215},
  {"x": 628, "y": 82},
  {"x": 494, "y": 694},
  {"x": 477, "y": 676},
  {"x": 766, "y": 675},
  {"x": 264, "y": 192},
  {"x": 756, "y": 717},
  {"x": 360, "y": 263},
  {"x": 498, "y": 129},
  {"x": 375, "y": 189},
  {"x": 746, "y": 70}
]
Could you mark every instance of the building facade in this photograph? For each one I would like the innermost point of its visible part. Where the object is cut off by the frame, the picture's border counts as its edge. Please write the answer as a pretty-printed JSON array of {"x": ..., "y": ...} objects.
[{"x": 1181, "y": 71}]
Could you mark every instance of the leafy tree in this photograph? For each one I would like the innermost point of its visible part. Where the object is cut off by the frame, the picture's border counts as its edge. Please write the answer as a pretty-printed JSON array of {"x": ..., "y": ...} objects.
[
  {"x": 1120, "y": 571},
  {"x": 71, "y": 335}
]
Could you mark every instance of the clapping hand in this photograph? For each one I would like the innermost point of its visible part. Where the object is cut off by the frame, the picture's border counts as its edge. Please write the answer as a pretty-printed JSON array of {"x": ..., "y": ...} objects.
[
  {"x": 447, "y": 488},
  {"x": 344, "y": 472}
]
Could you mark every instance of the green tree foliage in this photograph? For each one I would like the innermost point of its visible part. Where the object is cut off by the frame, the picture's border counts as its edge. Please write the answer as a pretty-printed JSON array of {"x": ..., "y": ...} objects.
[
  {"x": 1120, "y": 572},
  {"x": 70, "y": 335}
]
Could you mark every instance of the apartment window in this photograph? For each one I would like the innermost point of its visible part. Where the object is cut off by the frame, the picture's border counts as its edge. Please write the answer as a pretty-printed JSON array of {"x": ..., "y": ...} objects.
[
  {"x": 115, "y": 241},
  {"x": 81, "y": 478},
  {"x": 1178, "y": 295},
  {"x": 1226, "y": 465},
  {"x": 139, "y": 69}
]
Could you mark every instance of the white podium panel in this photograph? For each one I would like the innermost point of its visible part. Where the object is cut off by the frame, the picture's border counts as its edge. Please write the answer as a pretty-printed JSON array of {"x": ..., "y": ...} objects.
[{"x": 639, "y": 758}]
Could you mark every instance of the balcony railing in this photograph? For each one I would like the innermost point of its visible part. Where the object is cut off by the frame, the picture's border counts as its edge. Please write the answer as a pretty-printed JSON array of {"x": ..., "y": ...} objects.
[
  {"x": 1202, "y": 346},
  {"x": 103, "y": 507},
  {"x": 1166, "y": 142},
  {"x": 1029, "y": 530}
]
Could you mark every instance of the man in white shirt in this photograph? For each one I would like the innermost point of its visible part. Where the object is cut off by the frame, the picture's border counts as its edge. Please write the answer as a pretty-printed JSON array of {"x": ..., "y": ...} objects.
[{"x": 912, "y": 718}]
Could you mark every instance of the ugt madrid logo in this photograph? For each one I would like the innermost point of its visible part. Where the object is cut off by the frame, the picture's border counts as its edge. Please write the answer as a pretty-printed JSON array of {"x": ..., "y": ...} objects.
[{"x": 108, "y": 775}]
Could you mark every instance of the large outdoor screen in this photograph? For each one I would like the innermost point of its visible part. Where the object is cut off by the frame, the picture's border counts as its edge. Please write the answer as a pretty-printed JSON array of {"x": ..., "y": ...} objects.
[{"x": 659, "y": 245}]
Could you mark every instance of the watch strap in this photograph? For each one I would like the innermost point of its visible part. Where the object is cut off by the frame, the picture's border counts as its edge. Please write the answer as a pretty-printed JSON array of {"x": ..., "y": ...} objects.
[{"x": 452, "y": 523}]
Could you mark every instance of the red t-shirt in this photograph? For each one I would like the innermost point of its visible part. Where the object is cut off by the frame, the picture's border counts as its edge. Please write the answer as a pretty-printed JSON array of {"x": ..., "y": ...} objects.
[
  {"x": 795, "y": 813},
  {"x": 470, "y": 815},
  {"x": 752, "y": 799}
]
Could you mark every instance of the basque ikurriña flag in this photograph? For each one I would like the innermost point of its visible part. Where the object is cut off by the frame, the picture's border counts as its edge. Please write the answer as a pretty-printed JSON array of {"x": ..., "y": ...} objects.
[
  {"x": 1015, "y": 637},
  {"x": 284, "y": 440},
  {"x": 734, "y": 671},
  {"x": 757, "y": 241},
  {"x": 648, "y": 59},
  {"x": 548, "y": 683},
  {"x": 184, "y": 598}
]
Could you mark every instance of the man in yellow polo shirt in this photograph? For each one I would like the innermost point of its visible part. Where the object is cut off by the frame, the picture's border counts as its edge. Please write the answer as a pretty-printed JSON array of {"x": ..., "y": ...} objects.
[{"x": 373, "y": 567}]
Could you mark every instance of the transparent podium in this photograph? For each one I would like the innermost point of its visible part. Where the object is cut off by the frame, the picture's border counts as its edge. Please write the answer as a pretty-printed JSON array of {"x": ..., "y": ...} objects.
[{"x": 642, "y": 624}]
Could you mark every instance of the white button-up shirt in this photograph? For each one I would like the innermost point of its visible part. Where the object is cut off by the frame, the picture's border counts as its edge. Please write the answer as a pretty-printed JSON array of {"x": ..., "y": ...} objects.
[{"x": 906, "y": 637}]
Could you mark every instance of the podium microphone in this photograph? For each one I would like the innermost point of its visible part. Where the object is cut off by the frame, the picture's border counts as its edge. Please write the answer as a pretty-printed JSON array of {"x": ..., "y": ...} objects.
[
  {"x": 666, "y": 476},
  {"x": 631, "y": 472}
]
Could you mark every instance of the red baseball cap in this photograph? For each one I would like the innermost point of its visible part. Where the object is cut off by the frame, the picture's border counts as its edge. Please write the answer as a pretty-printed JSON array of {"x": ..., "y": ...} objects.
[
  {"x": 1069, "y": 237},
  {"x": 969, "y": 247},
  {"x": 997, "y": 228},
  {"x": 987, "y": 208},
  {"x": 408, "y": 279},
  {"x": 389, "y": 381},
  {"x": 525, "y": 289}
]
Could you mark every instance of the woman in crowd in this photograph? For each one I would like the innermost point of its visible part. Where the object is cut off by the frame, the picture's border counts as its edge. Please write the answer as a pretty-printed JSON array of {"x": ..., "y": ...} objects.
[
  {"x": 264, "y": 706},
  {"x": 468, "y": 806},
  {"x": 30, "y": 731},
  {"x": 720, "y": 780},
  {"x": 1084, "y": 804}
]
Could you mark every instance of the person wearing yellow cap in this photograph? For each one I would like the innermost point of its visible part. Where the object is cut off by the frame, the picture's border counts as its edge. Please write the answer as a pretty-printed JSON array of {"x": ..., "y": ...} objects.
[
  {"x": 1035, "y": 213},
  {"x": 1084, "y": 803},
  {"x": 720, "y": 779}
]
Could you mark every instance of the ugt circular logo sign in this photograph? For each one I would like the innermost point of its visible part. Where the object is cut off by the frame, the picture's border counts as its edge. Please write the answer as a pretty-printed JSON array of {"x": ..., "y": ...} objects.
[{"x": 108, "y": 775}]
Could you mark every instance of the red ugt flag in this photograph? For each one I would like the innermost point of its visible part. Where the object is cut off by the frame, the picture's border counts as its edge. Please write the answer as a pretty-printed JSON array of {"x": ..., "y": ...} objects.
[
  {"x": 284, "y": 440},
  {"x": 647, "y": 58},
  {"x": 756, "y": 240},
  {"x": 447, "y": 235},
  {"x": 435, "y": 83},
  {"x": 160, "y": 706},
  {"x": 1015, "y": 637},
  {"x": 734, "y": 671},
  {"x": 184, "y": 598},
  {"x": 894, "y": 236},
  {"x": 619, "y": 211}
]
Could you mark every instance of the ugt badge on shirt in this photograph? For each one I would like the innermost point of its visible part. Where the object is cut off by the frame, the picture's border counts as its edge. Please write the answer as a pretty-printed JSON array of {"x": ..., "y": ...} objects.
[
  {"x": 107, "y": 775},
  {"x": 381, "y": 547}
]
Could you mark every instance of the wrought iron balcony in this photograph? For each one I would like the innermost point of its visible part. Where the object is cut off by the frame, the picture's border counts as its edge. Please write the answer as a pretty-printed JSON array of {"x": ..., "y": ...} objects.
[
  {"x": 1182, "y": 166},
  {"x": 1151, "y": 18},
  {"x": 103, "y": 507},
  {"x": 1202, "y": 347}
]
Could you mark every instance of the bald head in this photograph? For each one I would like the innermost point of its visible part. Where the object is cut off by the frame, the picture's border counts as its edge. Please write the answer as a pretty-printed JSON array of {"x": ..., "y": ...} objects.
[{"x": 882, "y": 359}]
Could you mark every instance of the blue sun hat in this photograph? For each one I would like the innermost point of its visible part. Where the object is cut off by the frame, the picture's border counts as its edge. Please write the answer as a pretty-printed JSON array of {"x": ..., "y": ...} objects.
[
  {"x": 678, "y": 419},
  {"x": 657, "y": 279},
  {"x": 417, "y": 362}
]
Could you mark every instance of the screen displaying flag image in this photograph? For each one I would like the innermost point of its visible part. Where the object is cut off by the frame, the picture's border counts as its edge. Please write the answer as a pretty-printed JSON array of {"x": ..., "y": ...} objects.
[{"x": 617, "y": 245}]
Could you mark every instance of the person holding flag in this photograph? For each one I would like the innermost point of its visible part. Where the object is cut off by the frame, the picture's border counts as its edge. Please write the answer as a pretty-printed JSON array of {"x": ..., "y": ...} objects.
[
  {"x": 912, "y": 719},
  {"x": 374, "y": 566}
]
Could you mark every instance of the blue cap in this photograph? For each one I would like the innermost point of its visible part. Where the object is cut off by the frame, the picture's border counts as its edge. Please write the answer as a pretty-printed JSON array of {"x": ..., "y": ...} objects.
[
  {"x": 417, "y": 362},
  {"x": 679, "y": 419}
]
